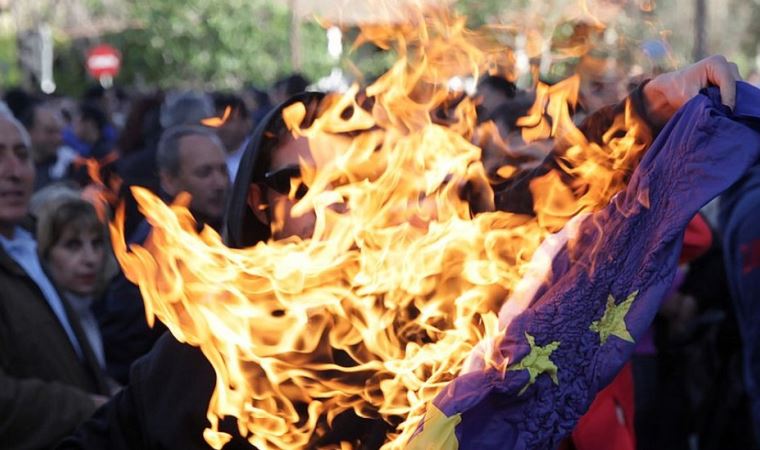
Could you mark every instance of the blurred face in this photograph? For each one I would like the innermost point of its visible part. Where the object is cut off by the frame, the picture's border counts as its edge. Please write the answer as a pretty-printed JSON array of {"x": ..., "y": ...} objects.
[
  {"x": 202, "y": 174},
  {"x": 76, "y": 260},
  {"x": 16, "y": 177},
  {"x": 283, "y": 171},
  {"x": 46, "y": 133},
  {"x": 233, "y": 132},
  {"x": 86, "y": 130}
]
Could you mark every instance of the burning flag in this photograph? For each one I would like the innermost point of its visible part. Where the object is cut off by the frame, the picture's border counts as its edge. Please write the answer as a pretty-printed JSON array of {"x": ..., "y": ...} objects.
[
  {"x": 608, "y": 274},
  {"x": 404, "y": 304}
]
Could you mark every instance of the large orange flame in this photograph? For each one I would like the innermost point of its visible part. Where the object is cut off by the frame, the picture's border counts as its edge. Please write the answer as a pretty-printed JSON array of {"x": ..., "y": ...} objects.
[{"x": 382, "y": 306}]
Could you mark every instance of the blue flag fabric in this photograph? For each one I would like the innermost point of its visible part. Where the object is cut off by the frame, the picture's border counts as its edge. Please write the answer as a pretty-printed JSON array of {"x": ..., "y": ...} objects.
[{"x": 603, "y": 291}]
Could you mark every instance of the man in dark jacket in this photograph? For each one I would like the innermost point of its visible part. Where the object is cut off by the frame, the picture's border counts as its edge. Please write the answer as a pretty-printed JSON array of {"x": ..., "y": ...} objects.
[
  {"x": 190, "y": 159},
  {"x": 165, "y": 404},
  {"x": 50, "y": 380}
]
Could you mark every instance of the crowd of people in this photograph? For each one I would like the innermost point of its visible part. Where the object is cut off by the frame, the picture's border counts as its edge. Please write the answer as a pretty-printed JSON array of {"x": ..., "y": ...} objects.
[{"x": 72, "y": 325}]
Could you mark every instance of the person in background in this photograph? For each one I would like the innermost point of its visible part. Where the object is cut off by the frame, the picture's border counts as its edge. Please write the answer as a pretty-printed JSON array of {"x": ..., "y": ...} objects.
[
  {"x": 52, "y": 160},
  {"x": 73, "y": 246},
  {"x": 139, "y": 168},
  {"x": 89, "y": 126},
  {"x": 258, "y": 103},
  {"x": 234, "y": 129},
  {"x": 286, "y": 87},
  {"x": 142, "y": 128},
  {"x": 50, "y": 380},
  {"x": 96, "y": 96},
  {"x": 190, "y": 159}
]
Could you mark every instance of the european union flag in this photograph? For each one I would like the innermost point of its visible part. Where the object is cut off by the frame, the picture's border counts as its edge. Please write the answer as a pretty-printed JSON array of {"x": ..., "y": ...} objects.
[{"x": 582, "y": 321}]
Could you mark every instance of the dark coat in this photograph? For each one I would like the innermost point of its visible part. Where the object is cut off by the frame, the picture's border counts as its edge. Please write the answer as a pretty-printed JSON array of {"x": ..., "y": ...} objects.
[
  {"x": 44, "y": 386},
  {"x": 121, "y": 318}
]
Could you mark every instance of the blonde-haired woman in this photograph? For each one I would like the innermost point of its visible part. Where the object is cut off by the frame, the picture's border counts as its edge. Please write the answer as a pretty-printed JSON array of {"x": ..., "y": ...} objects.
[{"x": 73, "y": 246}]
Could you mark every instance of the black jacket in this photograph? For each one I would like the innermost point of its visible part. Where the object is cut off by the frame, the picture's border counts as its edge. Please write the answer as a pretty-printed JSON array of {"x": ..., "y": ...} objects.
[{"x": 44, "y": 385}]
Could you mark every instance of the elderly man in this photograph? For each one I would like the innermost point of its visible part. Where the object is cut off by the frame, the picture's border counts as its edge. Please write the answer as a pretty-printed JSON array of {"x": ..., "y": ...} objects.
[
  {"x": 49, "y": 378},
  {"x": 190, "y": 159},
  {"x": 139, "y": 169}
]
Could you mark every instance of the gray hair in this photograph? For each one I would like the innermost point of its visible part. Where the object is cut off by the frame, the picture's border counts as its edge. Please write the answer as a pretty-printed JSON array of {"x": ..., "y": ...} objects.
[
  {"x": 50, "y": 195},
  {"x": 5, "y": 114},
  {"x": 185, "y": 108},
  {"x": 167, "y": 155}
]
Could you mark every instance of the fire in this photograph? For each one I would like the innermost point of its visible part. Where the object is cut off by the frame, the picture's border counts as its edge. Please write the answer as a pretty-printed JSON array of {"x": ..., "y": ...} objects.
[
  {"x": 103, "y": 194},
  {"x": 387, "y": 300},
  {"x": 216, "y": 122}
]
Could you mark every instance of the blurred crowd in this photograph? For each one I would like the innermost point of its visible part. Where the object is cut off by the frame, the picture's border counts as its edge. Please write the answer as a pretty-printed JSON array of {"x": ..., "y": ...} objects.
[{"x": 71, "y": 324}]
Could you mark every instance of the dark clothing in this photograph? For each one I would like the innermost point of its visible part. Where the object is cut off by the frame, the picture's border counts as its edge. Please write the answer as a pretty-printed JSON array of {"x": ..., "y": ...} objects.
[
  {"x": 101, "y": 148},
  {"x": 55, "y": 170},
  {"x": 137, "y": 169},
  {"x": 164, "y": 407},
  {"x": 121, "y": 317},
  {"x": 739, "y": 219},
  {"x": 42, "y": 176},
  {"x": 44, "y": 385}
]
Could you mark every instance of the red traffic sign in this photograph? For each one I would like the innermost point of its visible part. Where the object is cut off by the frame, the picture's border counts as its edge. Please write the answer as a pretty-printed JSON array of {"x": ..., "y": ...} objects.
[{"x": 103, "y": 61}]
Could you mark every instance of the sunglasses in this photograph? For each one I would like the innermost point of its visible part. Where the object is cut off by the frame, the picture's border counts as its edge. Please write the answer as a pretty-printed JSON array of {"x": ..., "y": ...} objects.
[{"x": 281, "y": 180}]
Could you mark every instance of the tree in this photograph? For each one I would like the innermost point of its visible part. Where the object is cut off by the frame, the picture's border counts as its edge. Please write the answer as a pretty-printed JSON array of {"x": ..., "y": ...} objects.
[{"x": 216, "y": 44}]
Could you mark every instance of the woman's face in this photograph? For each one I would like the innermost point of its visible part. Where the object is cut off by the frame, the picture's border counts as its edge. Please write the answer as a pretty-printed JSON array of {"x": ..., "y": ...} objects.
[{"x": 76, "y": 261}]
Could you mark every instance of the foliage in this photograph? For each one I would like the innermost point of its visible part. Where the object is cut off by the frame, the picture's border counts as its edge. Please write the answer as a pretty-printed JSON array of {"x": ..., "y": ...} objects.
[
  {"x": 229, "y": 43},
  {"x": 220, "y": 43},
  {"x": 9, "y": 74}
]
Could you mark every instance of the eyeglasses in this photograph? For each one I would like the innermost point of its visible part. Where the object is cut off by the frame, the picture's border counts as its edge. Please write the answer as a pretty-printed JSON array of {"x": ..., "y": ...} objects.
[{"x": 281, "y": 180}]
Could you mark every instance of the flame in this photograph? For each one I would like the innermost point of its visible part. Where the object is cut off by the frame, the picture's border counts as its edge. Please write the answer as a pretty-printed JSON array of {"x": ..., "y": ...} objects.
[
  {"x": 102, "y": 194},
  {"x": 386, "y": 301},
  {"x": 216, "y": 122}
]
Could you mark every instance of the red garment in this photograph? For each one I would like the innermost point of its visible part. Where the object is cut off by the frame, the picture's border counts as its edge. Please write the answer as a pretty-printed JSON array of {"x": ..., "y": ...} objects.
[
  {"x": 697, "y": 239},
  {"x": 608, "y": 424}
]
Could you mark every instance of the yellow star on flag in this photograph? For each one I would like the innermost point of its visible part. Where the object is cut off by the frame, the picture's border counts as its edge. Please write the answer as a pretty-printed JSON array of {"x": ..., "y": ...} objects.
[
  {"x": 537, "y": 361},
  {"x": 612, "y": 322},
  {"x": 437, "y": 431}
]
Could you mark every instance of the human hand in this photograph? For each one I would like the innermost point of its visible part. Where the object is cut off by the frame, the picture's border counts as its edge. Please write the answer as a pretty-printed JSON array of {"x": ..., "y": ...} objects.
[{"x": 667, "y": 92}]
